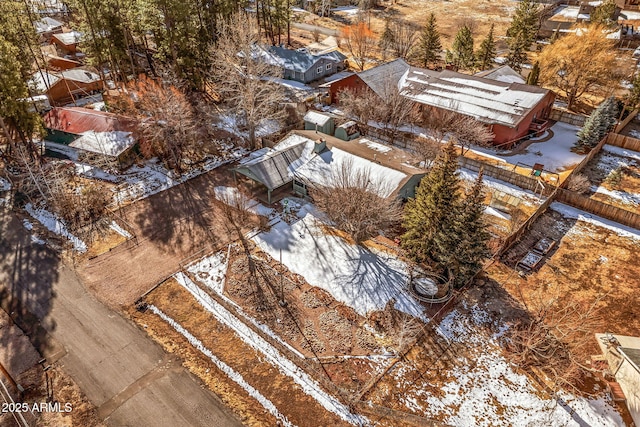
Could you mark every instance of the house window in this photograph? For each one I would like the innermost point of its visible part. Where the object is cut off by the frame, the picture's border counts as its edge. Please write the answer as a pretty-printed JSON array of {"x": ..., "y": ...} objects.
[
  {"x": 329, "y": 66},
  {"x": 319, "y": 70}
]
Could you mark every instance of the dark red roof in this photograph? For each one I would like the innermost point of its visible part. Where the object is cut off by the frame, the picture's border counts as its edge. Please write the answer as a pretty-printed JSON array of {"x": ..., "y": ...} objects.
[{"x": 78, "y": 120}]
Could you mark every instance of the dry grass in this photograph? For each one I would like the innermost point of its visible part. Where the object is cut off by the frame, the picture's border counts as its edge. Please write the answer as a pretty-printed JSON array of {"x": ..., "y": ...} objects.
[
  {"x": 589, "y": 262},
  {"x": 228, "y": 347}
]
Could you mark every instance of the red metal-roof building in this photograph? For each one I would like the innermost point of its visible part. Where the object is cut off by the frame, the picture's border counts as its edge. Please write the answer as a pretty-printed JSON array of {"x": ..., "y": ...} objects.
[{"x": 65, "y": 124}]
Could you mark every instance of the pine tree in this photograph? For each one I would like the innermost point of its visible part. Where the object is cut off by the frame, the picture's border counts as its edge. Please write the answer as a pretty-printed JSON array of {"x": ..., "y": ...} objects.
[
  {"x": 487, "y": 51},
  {"x": 522, "y": 33},
  {"x": 588, "y": 135},
  {"x": 429, "y": 219},
  {"x": 532, "y": 78},
  {"x": 603, "y": 13},
  {"x": 462, "y": 49},
  {"x": 472, "y": 233},
  {"x": 429, "y": 46},
  {"x": 386, "y": 39},
  {"x": 598, "y": 124}
]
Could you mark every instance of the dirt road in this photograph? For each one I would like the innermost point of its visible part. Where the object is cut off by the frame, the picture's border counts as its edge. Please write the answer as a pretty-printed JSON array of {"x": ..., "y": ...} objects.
[{"x": 128, "y": 377}]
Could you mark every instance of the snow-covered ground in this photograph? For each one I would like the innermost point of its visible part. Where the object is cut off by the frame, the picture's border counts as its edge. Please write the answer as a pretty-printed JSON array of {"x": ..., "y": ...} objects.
[
  {"x": 229, "y": 123},
  {"x": 4, "y": 184},
  {"x": 271, "y": 354},
  {"x": 573, "y": 213},
  {"x": 555, "y": 154},
  {"x": 349, "y": 10},
  {"x": 611, "y": 159},
  {"x": 232, "y": 196},
  {"x": 121, "y": 231},
  {"x": 228, "y": 370},
  {"x": 353, "y": 275},
  {"x": 55, "y": 225},
  {"x": 291, "y": 84},
  {"x": 139, "y": 182},
  {"x": 375, "y": 145},
  {"x": 484, "y": 389},
  {"x": 528, "y": 197}
]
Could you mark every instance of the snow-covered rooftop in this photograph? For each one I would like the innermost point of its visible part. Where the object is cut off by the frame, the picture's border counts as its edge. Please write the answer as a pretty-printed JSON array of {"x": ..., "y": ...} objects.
[
  {"x": 503, "y": 74},
  {"x": 69, "y": 38},
  {"x": 107, "y": 143},
  {"x": 326, "y": 166},
  {"x": 486, "y": 100},
  {"x": 81, "y": 75},
  {"x": 317, "y": 118},
  {"x": 47, "y": 24},
  {"x": 42, "y": 80}
]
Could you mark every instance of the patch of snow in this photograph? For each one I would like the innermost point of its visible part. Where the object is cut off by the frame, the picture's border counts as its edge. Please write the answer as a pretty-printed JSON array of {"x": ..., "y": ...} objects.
[
  {"x": 528, "y": 197},
  {"x": 349, "y": 10},
  {"x": 27, "y": 224},
  {"x": 495, "y": 212},
  {"x": 357, "y": 277},
  {"x": 228, "y": 370},
  {"x": 622, "y": 152},
  {"x": 292, "y": 84},
  {"x": 62, "y": 149},
  {"x": 555, "y": 154},
  {"x": 211, "y": 271},
  {"x": 375, "y": 145},
  {"x": 4, "y": 184},
  {"x": 121, "y": 231},
  {"x": 632, "y": 199},
  {"x": 233, "y": 195},
  {"x": 229, "y": 122},
  {"x": 573, "y": 213},
  {"x": 286, "y": 366},
  {"x": 38, "y": 241},
  {"x": 55, "y": 225},
  {"x": 486, "y": 391}
]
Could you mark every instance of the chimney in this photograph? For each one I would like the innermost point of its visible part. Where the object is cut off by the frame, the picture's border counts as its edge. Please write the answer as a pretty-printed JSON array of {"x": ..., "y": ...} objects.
[{"x": 320, "y": 146}]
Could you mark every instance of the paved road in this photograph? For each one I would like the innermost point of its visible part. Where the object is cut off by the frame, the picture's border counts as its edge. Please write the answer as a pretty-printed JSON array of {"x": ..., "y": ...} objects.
[
  {"x": 130, "y": 379},
  {"x": 312, "y": 28}
]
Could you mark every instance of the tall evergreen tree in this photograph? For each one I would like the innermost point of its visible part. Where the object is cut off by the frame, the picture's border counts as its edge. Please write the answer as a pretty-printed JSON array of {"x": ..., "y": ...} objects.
[
  {"x": 429, "y": 219},
  {"x": 522, "y": 33},
  {"x": 462, "y": 49},
  {"x": 20, "y": 124},
  {"x": 471, "y": 231},
  {"x": 487, "y": 51},
  {"x": 597, "y": 125},
  {"x": 532, "y": 78},
  {"x": 429, "y": 45}
]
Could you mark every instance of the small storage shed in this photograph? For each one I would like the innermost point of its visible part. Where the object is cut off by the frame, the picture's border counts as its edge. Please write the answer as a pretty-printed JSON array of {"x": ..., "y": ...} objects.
[
  {"x": 320, "y": 122},
  {"x": 348, "y": 131}
]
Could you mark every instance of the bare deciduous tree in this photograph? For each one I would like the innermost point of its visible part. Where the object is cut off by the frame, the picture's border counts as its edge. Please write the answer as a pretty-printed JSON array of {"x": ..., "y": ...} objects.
[
  {"x": 464, "y": 130},
  {"x": 556, "y": 338},
  {"x": 356, "y": 201},
  {"x": 167, "y": 127},
  {"x": 388, "y": 108},
  {"x": 242, "y": 71},
  {"x": 359, "y": 41},
  {"x": 399, "y": 38}
]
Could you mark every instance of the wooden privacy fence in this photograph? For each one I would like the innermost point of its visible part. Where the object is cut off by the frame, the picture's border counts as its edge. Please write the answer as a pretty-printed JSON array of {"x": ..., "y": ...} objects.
[
  {"x": 594, "y": 151},
  {"x": 507, "y": 175},
  {"x": 603, "y": 210},
  {"x": 567, "y": 117},
  {"x": 622, "y": 141}
]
